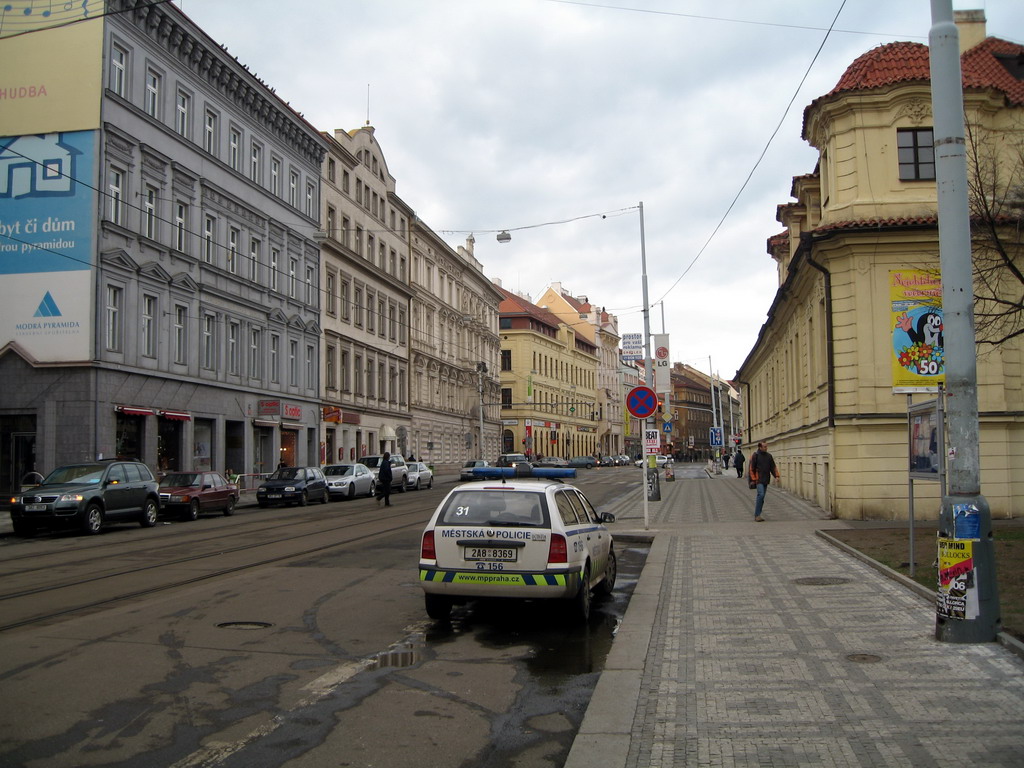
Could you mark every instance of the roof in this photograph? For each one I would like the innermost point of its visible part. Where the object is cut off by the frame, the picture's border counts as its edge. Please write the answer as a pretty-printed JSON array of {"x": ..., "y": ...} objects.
[
  {"x": 993, "y": 64},
  {"x": 513, "y": 304}
]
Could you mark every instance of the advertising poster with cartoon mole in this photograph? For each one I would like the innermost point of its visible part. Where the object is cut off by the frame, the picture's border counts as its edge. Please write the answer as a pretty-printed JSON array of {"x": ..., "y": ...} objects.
[{"x": 916, "y": 322}]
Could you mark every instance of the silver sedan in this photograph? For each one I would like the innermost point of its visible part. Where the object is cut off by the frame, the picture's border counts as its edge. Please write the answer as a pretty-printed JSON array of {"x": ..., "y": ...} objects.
[{"x": 347, "y": 481}]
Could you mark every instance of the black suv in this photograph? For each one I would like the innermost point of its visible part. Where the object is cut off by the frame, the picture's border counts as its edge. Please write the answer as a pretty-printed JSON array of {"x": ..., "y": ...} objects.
[
  {"x": 86, "y": 496},
  {"x": 293, "y": 485}
]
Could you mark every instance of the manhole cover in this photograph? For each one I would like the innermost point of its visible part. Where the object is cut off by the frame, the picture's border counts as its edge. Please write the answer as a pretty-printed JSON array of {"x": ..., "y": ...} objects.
[
  {"x": 820, "y": 581},
  {"x": 864, "y": 658},
  {"x": 245, "y": 625}
]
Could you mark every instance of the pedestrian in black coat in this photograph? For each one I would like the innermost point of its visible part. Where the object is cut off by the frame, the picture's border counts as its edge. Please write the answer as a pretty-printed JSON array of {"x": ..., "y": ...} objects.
[
  {"x": 384, "y": 478},
  {"x": 737, "y": 461}
]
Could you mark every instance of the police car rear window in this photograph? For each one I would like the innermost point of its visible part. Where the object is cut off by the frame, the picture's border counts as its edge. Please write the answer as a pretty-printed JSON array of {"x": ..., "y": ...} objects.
[{"x": 495, "y": 507}]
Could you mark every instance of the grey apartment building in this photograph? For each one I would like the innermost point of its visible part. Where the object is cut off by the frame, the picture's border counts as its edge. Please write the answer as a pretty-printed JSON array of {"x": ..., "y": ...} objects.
[{"x": 161, "y": 292}]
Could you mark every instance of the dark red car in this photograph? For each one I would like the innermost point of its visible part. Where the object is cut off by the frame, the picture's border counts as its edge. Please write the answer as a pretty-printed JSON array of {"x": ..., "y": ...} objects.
[{"x": 191, "y": 493}]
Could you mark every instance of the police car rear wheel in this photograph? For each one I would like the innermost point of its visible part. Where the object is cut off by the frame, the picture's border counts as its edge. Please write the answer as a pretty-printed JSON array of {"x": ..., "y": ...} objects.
[
  {"x": 438, "y": 608},
  {"x": 581, "y": 603}
]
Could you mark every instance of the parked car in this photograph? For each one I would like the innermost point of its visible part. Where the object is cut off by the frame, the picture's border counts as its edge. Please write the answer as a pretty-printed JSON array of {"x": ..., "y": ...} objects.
[
  {"x": 349, "y": 480},
  {"x": 606, "y": 461},
  {"x": 551, "y": 461},
  {"x": 511, "y": 460},
  {"x": 660, "y": 461},
  {"x": 86, "y": 496},
  {"x": 293, "y": 485},
  {"x": 583, "y": 461},
  {"x": 466, "y": 473},
  {"x": 191, "y": 493},
  {"x": 420, "y": 475},
  {"x": 399, "y": 470},
  {"x": 520, "y": 538}
]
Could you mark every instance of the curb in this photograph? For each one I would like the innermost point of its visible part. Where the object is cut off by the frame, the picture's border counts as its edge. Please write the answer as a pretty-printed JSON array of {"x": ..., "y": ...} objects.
[{"x": 1008, "y": 641}]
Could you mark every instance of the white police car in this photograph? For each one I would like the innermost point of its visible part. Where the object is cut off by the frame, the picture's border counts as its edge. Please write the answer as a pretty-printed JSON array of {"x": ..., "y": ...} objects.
[{"x": 523, "y": 538}]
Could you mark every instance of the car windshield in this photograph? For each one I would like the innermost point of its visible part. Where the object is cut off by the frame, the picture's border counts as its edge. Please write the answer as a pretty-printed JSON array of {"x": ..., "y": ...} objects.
[
  {"x": 286, "y": 473},
  {"x": 77, "y": 473},
  {"x": 340, "y": 471},
  {"x": 494, "y": 507},
  {"x": 370, "y": 461},
  {"x": 182, "y": 479}
]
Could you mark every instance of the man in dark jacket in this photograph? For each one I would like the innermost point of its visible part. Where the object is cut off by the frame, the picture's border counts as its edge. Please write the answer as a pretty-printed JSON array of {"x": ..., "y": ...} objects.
[
  {"x": 762, "y": 467},
  {"x": 737, "y": 461},
  {"x": 384, "y": 477}
]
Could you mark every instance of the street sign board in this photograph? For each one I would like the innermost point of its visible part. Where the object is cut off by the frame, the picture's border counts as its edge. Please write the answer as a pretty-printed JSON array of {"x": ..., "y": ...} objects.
[
  {"x": 667, "y": 426},
  {"x": 716, "y": 437},
  {"x": 632, "y": 346},
  {"x": 641, "y": 402}
]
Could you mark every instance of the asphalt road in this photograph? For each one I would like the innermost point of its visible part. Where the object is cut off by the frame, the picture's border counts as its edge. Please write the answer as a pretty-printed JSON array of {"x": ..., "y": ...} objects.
[{"x": 283, "y": 636}]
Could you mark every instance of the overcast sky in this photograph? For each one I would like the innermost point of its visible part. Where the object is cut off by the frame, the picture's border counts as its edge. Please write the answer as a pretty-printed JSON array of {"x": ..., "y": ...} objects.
[{"x": 539, "y": 116}]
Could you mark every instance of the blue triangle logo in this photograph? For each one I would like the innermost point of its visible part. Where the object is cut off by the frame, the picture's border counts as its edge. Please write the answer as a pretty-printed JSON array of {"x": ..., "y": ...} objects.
[{"x": 47, "y": 307}]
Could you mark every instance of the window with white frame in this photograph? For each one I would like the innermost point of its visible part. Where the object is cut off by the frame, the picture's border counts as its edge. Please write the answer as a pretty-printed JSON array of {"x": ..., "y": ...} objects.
[
  {"x": 254, "y": 260},
  {"x": 371, "y": 320},
  {"x": 115, "y": 194},
  {"x": 114, "y": 330},
  {"x": 181, "y": 226},
  {"x": 209, "y": 341},
  {"x": 331, "y": 299},
  {"x": 180, "y": 333},
  {"x": 153, "y": 81},
  {"x": 310, "y": 381},
  {"x": 233, "y": 333},
  {"x": 345, "y": 374},
  {"x": 255, "y": 353},
  {"x": 118, "y": 70},
  {"x": 275, "y": 176},
  {"x": 256, "y": 163},
  {"x": 211, "y": 126},
  {"x": 381, "y": 317},
  {"x": 293, "y": 278},
  {"x": 330, "y": 376},
  {"x": 233, "y": 235},
  {"x": 149, "y": 320},
  {"x": 357, "y": 308},
  {"x": 310, "y": 287},
  {"x": 275, "y": 358},
  {"x": 293, "y": 189},
  {"x": 235, "y": 149},
  {"x": 293, "y": 363},
  {"x": 401, "y": 326},
  {"x": 346, "y": 225},
  {"x": 382, "y": 393},
  {"x": 357, "y": 373},
  {"x": 332, "y": 216},
  {"x": 275, "y": 259},
  {"x": 371, "y": 382},
  {"x": 209, "y": 238},
  {"x": 183, "y": 114},
  {"x": 346, "y": 290},
  {"x": 149, "y": 217},
  {"x": 310, "y": 199}
]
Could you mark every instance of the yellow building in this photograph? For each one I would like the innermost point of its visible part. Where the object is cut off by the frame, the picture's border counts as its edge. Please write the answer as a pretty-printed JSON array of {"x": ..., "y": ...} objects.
[
  {"x": 549, "y": 403},
  {"x": 820, "y": 385}
]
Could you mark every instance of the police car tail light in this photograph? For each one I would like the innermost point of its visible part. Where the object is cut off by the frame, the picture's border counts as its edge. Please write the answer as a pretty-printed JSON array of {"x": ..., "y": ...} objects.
[
  {"x": 427, "y": 551},
  {"x": 558, "y": 552}
]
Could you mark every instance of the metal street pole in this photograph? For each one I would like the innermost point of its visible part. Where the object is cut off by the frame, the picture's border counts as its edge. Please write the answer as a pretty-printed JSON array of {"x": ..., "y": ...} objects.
[
  {"x": 648, "y": 364},
  {"x": 481, "y": 367},
  {"x": 967, "y": 609}
]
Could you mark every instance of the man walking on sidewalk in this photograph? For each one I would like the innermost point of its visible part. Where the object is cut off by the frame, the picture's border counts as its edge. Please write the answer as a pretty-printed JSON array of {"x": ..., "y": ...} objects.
[{"x": 762, "y": 467}]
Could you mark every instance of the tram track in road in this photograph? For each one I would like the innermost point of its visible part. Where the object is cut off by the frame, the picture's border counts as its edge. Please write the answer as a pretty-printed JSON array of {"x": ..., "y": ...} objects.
[{"x": 64, "y": 603}]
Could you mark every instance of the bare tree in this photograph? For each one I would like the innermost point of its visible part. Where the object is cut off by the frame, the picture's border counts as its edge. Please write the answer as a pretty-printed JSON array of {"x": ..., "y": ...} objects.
[{"x": 995, "y": 178}]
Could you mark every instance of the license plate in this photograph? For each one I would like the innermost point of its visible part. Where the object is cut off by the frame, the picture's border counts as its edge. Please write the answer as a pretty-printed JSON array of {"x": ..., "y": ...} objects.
[
  {"x": 35, "y": 507},
  {"x": 493, "y": 554},
  {"x": 273, "y": 495}
]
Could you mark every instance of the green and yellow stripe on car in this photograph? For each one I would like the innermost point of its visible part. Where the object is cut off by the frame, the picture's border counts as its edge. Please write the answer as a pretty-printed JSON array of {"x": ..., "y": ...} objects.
[{"x": 499, "y": 578}]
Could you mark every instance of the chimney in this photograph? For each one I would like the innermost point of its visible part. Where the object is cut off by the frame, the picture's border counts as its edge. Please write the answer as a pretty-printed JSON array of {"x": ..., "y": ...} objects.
[{"x": 971, "y": 26}]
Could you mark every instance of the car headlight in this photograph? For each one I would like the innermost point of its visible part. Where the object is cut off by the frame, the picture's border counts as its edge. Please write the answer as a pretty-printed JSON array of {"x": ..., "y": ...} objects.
[
  {"x": 76, "y": 497},
  {"x": 290, "y": 488},
  {"x": 179, "y": 499}
]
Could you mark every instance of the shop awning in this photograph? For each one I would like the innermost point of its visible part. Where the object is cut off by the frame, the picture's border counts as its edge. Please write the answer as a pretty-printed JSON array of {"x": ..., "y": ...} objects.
[
  {"x": 291, "y": 425},
  {"x": 387, "y": 432},
  {"x": 129, "y": 410},
  {"x": 263, "y": 423},
  {"x": 175, "y": 415}
]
